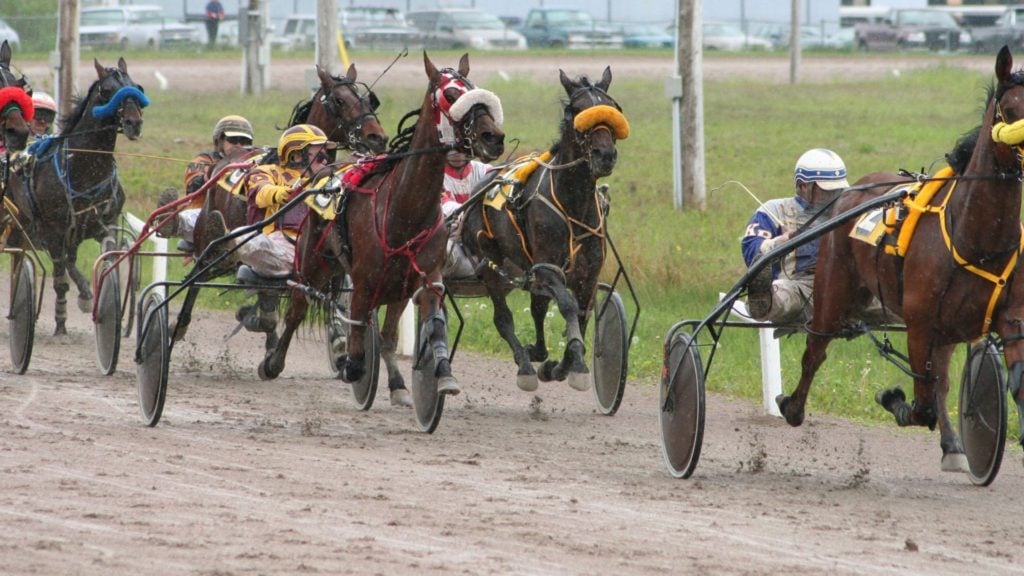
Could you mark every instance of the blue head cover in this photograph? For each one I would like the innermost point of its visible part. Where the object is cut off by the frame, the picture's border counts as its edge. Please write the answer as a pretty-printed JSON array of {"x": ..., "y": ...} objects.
[{"x": 108, "y": 109}]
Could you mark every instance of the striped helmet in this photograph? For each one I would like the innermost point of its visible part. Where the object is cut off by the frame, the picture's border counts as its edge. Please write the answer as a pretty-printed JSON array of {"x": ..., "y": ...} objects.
[
  {"x": 297, "y": 138},
  {"x": 822, "y": 167}
]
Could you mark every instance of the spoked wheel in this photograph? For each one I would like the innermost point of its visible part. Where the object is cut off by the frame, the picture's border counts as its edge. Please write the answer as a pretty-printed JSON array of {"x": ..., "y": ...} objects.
[
  {"x": 154, "y": 356},
  {"x": 22, "y": 315},
  {"x": 427, "y": 402},
  {"x": 681, "y": 402},
  {"x": 983, "y": 412},
  {"x": 108, "y": 322},
  {"x": 609, "y": 354},
  {"x": 338, "y": 336}
]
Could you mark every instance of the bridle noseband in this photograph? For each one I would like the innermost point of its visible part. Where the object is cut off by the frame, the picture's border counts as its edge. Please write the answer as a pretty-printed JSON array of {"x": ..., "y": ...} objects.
[{"x": 598, "y": 97}]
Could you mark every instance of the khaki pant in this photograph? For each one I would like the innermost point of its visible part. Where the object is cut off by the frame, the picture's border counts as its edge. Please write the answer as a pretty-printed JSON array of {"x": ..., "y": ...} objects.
[
  {"x": 271, "y": 255},
  {"x": 791, "y": 301}
]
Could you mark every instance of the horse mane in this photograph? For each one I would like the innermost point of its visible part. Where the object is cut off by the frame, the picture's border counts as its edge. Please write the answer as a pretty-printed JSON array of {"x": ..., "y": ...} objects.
[
  {"x": 80, "y": 105},
  {"x": 403, "y": 139},
  {"x": 300, "y": 113},
  {"x": 960, "y": 155}
]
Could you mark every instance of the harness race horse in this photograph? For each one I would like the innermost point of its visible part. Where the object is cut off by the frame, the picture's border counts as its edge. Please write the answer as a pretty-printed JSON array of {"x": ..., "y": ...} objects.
[
  {"x": 950, "y": 283},
  {"x": 553, "y": 232},
  {"x": 16, "y": 109},
  {"x": 71, "y": 191},
  {"x": 389, "y": 234}
]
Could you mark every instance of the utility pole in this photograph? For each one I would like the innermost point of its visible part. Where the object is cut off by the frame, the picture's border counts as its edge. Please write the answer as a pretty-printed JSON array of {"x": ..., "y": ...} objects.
[
  {"x": 252, "y": 29},
  {"x": 66, "y": 57},
  {"x": 687, "y": 92},
  {"x": 794, "y": 41},
  {"x": 326, "y": 35}
]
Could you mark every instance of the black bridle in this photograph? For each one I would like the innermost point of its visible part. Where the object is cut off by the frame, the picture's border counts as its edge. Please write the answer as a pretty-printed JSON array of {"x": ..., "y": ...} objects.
[{"x": 335, "y": 106}]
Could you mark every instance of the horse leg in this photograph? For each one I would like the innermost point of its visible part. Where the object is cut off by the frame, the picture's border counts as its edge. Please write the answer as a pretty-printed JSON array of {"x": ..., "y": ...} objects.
[
  {"x": 1013, "y": 352},
  {"x": 538, "y": 310},
  {"x": 572, "y": 364},
  {"x": 526, "y": 376},
  {"x": 273, "y": 363},
  {"x": 399, "y": 394},
  {"x": 434, "y": 319},
  {"x": 953, "y": 457},
  {"x": 792, "y": 407},
  {"x": 81, "y": 282},
  {"x": 60, "y": 287},
  {"x": 180, "y": 326}
]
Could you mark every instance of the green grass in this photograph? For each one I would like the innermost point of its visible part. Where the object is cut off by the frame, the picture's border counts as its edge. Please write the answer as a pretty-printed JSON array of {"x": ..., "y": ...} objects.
[{"x": 678, "y": 260}]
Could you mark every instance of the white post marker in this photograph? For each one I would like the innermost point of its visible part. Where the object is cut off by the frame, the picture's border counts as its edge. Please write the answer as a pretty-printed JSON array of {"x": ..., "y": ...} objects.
[
  {"x": 159, "y": 245},
  {"x": 771, "y": 360}
]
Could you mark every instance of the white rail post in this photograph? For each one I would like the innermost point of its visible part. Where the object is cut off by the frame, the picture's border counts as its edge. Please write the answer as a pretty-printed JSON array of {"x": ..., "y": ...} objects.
[
  {"x": 771, "y": 360},
  {"x": 407, "y": 331},
  {"x": 159, "y": 245}
]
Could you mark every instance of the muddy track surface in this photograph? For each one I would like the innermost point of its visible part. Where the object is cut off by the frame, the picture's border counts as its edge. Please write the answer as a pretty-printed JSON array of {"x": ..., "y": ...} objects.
[{"x": 288, "y": 477}]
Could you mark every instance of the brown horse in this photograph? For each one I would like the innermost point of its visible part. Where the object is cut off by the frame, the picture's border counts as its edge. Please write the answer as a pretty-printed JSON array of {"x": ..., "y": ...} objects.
[
  {"x": 389, "y": 236},
  {"x": 948, "y": 287},
  {"x": 553, "y": 233},
  {"x": 16, "y": 108},
  {"x": 72, "y": 192}
]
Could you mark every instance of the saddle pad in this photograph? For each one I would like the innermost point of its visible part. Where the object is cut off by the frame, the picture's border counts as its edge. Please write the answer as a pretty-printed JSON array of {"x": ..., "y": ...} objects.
[
  {"x": 326, "y": 205},
  {"x": 870, "y": 227},
  {"x": 512, "y": 177},
  {"x": 233, "y": 181}
]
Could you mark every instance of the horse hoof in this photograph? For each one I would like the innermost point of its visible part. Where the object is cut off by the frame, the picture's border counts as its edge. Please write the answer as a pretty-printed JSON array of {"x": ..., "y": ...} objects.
[
  {"x": 579, "y": 381},
  {"x": 527, "y": 382},
  {"x": 887, "y": 398},
  {"x": 353, "y": 371},
  {"x": 448, "y": 385},
  {"x": 546, "y": 372},
  {"x": 401, "y": 398},
  {"x": 266, "y": 372},
  {"x": 955, "y": 463},
  {"x": 85, "y": 305}
]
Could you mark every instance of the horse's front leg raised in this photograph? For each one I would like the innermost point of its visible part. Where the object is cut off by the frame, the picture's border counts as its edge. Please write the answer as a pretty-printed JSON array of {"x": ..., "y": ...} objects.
[
  {"x": 399, "y": 394},
  {"x": 550, "y": 282},
  {"x": 435, "y": 323}
]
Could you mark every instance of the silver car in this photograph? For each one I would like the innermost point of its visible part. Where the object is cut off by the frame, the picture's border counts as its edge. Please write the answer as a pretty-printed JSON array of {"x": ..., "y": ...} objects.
[{"x": 134, "y": 26}]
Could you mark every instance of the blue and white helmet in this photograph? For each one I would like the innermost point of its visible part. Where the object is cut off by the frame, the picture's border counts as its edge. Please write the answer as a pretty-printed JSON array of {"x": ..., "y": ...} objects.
[{"x": 823, "y": 167}]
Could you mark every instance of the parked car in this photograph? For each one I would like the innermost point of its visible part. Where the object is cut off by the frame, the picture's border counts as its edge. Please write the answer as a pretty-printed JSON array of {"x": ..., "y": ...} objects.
[
  {"x": 367, "y": 28},
  {"x": 843, "y": 39},
  {"x": 778, "y": 35},
  {"x": 914, "y": 28},
  {"x": 9, "y": 34},
  {"x": 133, "y": 26},
  {"x": 567, "y": 28},
  {"x": 1008, "y": 30},
  {"x": 646, "y": 35},
  {"x": 465, "y": 28},
  {"x": 729, "y": 38}
]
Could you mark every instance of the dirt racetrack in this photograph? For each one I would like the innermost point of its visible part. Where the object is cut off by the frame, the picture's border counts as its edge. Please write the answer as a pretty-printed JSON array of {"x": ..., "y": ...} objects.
[{"x": 286, "y": 477}]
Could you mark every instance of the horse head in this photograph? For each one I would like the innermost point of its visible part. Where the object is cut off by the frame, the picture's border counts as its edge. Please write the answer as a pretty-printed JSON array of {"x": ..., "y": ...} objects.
[
  {"x": 116, "y": 95},
  {"x": 353, "y": 105},
  {"x": 16, "y": 109},
  {"x": 468, "y": 118},
  {"x": 595, "y": 121},
  {"x": 1007, "y": 113}
]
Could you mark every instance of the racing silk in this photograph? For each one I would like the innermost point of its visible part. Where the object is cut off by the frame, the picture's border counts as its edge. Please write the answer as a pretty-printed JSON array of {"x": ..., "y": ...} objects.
[
  {"x": 771, "y": 221},
  {"x": 196, "y": 174},
  {"x": 459, "y": 184},
  {"x": 265, "y": 185}
]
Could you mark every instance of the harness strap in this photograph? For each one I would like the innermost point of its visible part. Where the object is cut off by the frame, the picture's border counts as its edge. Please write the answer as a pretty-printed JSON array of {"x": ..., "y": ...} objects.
[{"x": 999, "y": 282}]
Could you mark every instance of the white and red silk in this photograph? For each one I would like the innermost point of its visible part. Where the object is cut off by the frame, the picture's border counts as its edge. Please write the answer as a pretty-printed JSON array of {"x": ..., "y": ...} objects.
[{"x": 12, "y": 95}]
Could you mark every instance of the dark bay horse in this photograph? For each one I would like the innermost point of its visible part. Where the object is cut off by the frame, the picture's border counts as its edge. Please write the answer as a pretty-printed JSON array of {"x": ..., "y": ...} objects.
[
  {"x": 391, "y": 240},
  {"x": 71, "y": 192},
  {"x": 949, "y": 286},
  {"x": 16, "y": 109},
  {"x": 554, "y": 232}
]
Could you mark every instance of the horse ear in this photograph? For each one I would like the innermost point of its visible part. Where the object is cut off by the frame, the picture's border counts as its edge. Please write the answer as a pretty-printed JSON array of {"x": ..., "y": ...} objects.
[
  {"x": 1004, "y": 64},
  {"x": 100, "y": 70},
  {"x": 606, "y": 79},
  {"x": 430, "y": 68},
  {"x": 122, "y": 65},
  {"x": 464, "y": 65},
  {"x": 5, "y": 54},
  {"x": 325, "y": 79},
  {"x": 567, "y": 83},
  {"x": 351, "y": 74}
]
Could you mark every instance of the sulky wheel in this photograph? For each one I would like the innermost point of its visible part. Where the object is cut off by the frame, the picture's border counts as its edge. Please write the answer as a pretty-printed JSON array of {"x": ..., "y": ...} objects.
[
  {"x": 427, "y": 402},
  {"x": 108, "y": 322},
  {"x": 983, "y": 412},
  {"x": 22, "y": 315},
  {"x": 338, "y": 333},
  {"x": 610, "y": 352},
  {"x": 153, "y": 357},
  {"x": 681, "y": 403}
]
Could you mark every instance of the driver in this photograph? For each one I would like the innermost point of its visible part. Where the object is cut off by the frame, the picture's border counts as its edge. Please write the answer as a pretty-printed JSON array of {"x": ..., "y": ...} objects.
[{"x": 781, "y": 293}]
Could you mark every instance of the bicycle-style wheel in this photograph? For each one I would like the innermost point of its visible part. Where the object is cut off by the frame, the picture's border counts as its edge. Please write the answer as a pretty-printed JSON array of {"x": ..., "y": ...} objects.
[
  {"x": 427, "y": 403},
  {"x": 610, "y": 351},
  {"x": 983, "y": 412},
  {"x": 107, "y": 327},
  {"x": 681, "y": 406},
  {"x": 21, "y": 317},
  {"x": 154, "y": 356}
]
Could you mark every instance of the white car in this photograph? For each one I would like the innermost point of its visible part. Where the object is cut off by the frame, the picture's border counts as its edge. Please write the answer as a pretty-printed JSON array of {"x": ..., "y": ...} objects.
[
  {"x": 134, "y": 26},
  {"x": 465, "y": 28}
]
